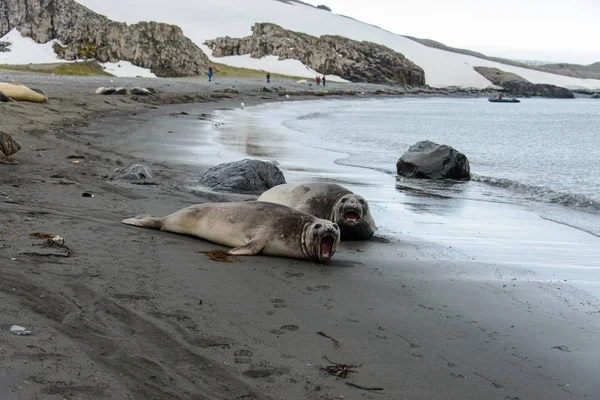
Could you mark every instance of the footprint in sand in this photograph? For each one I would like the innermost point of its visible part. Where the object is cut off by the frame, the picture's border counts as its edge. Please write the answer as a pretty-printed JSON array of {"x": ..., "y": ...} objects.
[
  {"x": 317, "y": 288},
  {"x": 284, "y": 329},
  {"x": 278, "y": 303},
  {"x": 294, "y": 274},
  {"x": 243, "y": 357},
  {"x": 290, "y": 328}
]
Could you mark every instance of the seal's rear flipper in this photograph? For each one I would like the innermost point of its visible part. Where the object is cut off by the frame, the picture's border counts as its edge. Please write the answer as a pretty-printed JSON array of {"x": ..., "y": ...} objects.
[
  {"x": 252, "y": 248},
  {"x": 6, "y": 160},
  {"x": 40, "y": 91},
  {"x": 144, "y": 221}
]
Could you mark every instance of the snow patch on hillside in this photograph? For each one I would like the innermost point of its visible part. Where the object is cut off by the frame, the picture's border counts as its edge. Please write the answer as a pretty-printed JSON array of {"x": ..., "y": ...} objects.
[
  {"x": 271, "y": 64},
  {"x": 26, "y": 51},
  {"x": 125, "y": 69}
]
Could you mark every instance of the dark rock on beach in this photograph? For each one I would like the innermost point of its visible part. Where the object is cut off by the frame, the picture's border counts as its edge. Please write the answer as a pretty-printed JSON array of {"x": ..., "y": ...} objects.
[
  {"x": 137, "y": 173},
  {"x": 429, "y": 160},
  {"x": 245, "y": 176},
  {"x": 329, "y": 54},
  {"x": 162, "y": 48}
]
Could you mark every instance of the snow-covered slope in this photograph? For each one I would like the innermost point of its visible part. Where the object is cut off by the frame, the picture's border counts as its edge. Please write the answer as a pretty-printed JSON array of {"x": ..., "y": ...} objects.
[{"x": 208, "y": 19}]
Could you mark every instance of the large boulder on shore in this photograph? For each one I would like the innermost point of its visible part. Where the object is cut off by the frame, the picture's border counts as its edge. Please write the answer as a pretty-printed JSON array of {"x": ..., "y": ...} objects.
[
  {"x": 245, "y": 176},
  {"x": 429, "y": 160}
]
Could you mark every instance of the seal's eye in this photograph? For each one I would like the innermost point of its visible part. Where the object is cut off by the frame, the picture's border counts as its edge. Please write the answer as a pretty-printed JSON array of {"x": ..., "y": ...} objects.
[
  {"x": 344, "y": 200},
  {"x": 362, "y": 201},
  {"x": 318, "y": 226},
  {"x": 336, "y": 227}
]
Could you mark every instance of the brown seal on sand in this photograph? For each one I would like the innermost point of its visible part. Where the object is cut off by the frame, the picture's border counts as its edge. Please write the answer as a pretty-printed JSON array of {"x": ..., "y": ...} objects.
[
  {"x": 8, "y": 147},
  {"x": 252, "y": 227},
  {"x": 327, "y": 201}
]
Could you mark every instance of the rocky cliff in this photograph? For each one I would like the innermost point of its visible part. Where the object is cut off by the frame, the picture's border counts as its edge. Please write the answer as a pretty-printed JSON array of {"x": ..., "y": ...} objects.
[
  {"x": 4, "y": 46},
  {"x": 330, "y": 55},
  {"x": 515, "y": 85},
  {"x": 85, "y": 34}
]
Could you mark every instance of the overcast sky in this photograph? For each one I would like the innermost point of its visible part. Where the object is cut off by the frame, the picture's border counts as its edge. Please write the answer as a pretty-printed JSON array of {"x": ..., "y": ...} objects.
[{"x": 546, "y": 30}]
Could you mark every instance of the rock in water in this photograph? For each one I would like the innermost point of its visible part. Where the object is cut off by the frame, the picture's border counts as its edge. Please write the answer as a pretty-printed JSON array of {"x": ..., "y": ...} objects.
[
  {"x": 429, "y": 160},
  {"x": 245, "y": 176},
  {"x": 137, "y": 173}
]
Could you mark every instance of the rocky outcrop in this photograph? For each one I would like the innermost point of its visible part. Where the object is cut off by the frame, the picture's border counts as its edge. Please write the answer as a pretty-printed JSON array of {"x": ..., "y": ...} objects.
[
  {"x": 245, "y": 176},
  {"x": 517, "y": 88},
  {"x": 515, "y": 85},
  {"x": 429, "y": 160},
  {"x": 330, "y": 55},
  {"x": 323, "y": 7},
  {"x": 497, "y": 76},
  {"x": 4, "y": 46},
  {"x": 85, "y": 34}
]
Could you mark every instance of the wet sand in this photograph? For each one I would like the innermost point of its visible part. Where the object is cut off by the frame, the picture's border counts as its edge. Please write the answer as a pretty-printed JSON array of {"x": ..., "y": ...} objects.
[{"x": 141, "y": 314}]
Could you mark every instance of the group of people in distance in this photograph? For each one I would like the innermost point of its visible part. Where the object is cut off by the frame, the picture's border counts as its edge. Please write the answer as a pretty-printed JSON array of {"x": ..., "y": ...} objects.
[{"x": 318, "y": 79}]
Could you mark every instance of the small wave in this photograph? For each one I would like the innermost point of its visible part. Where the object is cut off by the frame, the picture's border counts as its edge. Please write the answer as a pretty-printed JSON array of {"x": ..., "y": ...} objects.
[
  {"x": 540, "y": 193},
  {"x": 312, "y": 115}
]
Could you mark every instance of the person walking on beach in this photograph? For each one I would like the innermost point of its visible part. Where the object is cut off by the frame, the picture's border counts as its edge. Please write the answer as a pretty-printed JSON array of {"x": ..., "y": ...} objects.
[
  {"x": 268, "y": 77},
  {"x": 318, "y": 80},
  {"x": 323, "y": 79},
  {"x": 210, "y": 74}
]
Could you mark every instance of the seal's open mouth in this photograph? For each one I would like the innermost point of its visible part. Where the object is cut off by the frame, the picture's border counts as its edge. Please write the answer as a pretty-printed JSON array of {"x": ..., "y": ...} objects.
[
  {"x": 327, "y": 247},
  {"x": 352, "y": 216}
]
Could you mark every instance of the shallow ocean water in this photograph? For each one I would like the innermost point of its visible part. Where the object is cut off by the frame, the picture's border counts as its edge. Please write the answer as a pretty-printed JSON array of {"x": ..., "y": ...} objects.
[{"x": 534, "y": 200}]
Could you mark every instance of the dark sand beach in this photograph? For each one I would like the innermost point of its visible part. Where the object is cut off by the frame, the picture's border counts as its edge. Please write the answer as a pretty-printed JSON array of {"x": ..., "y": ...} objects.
[{"x": 142, "y": 314}]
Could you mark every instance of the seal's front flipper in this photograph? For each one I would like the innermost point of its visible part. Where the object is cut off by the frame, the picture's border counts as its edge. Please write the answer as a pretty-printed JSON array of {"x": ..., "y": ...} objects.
[
  {"x": 144, "y": 221},
  {"x": 7, "y": 160},
  {"x": 252, "y": 248}
]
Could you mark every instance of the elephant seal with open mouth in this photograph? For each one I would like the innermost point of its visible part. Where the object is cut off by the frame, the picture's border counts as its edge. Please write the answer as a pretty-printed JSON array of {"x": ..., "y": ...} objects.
[
  {"x": 252, "y": 227},
  {"x": 327, "y": 201}
]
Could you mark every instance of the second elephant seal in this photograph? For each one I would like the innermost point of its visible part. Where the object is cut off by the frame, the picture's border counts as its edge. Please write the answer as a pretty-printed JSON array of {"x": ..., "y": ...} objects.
[
  {"x": 327, "y": 201},
  {"x": 252, "y": 227}
]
